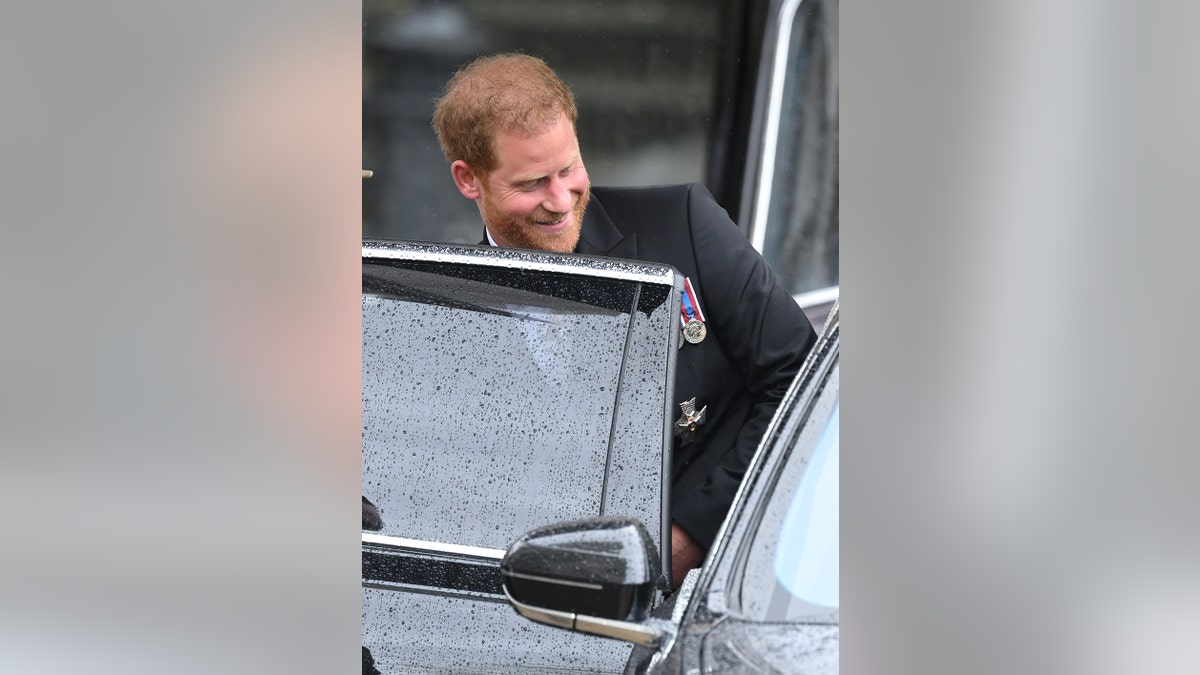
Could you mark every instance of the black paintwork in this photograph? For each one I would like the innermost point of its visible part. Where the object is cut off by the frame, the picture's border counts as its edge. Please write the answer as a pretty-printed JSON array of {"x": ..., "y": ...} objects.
[
  {"x": 470, "y": 438},
  {"x": 710, "y": 635},
  {"x": 433, "y": 572},
  {"x": 711, "y": 626},
  {"x": 606, "y": 568}
]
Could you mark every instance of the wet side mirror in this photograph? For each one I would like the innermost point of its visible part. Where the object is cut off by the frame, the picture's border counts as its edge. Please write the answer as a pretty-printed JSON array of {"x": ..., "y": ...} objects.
[
  {"x": 595, "y": 576},
  {"x": 599, "y": 567}
]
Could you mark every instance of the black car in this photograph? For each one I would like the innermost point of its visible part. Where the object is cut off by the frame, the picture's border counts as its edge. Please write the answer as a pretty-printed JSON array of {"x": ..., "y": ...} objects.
[
  {"x": 504, "y": 390},
  {"x": 767, "y": 597}
]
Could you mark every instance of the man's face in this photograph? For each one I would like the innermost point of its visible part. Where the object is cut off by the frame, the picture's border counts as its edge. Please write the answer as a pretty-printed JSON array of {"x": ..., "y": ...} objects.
[{"x": 536, "y": 195}]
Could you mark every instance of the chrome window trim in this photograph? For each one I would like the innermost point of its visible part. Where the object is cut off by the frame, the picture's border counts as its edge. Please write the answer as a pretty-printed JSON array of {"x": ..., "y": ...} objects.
[
  {"x": 422, "y": 546},
  {"x": 606, "y": 268},
  {"x": 766, "y": 168},
  {"x": 432, "y": 590}
]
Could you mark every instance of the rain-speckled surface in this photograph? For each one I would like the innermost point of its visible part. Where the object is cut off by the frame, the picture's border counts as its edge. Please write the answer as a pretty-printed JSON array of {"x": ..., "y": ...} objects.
[
  {"x": 750, "y": 647},
  {"x": 503, "y": 391},
  {"x": 759, "y": 592},
  {"x": 738, "y": 618},
  {"x": 519, "y": 259},
  {"x": 491, "y": 413},
  {"x": 417, "y": 633}
]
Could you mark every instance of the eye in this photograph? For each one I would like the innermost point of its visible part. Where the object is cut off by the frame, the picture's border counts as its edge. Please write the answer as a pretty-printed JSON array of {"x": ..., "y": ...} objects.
[
  {"x": 530, "y": 185},
  {"x": 567, "y": 171}
]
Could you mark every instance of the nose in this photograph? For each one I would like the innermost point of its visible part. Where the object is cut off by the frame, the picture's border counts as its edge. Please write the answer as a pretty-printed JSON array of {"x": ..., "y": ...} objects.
[{"x": 558, "y": 197}]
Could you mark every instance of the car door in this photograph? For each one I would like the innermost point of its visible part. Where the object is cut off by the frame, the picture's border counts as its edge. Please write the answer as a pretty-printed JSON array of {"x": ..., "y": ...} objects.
[
  {"x": 766, "y": 598},
  {"x": 501, "y": 390}
]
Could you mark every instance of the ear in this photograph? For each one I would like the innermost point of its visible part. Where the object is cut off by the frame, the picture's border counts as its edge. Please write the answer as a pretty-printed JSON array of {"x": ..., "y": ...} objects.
[{"x": 468, "y": 182}]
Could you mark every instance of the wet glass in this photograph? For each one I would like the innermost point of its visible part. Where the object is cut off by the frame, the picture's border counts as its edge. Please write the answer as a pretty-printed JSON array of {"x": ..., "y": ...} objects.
[
  {"x": 791, "y": 572},
  {"x": 807, "y": 551},
  {"x": 493, "y": 399}
]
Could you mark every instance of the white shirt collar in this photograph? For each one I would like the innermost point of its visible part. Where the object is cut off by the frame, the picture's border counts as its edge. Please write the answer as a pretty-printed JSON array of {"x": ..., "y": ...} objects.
[{"x": 489, "y": 236}]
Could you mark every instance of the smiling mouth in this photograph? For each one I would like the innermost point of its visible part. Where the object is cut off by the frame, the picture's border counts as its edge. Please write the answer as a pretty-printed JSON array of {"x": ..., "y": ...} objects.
[{"x": 552, "y": 223}]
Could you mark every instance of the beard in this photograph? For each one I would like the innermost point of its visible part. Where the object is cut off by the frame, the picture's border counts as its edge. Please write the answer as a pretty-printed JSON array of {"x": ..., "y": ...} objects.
[{"x": 526, "y": 233}]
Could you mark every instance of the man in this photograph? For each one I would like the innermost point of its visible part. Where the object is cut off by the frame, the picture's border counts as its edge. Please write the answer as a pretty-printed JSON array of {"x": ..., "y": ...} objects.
[{"x": 507, "y": 126}]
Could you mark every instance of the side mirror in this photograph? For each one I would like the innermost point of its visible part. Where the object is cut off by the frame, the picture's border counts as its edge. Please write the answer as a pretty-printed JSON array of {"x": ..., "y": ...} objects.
[{"x": 596, "y": 575}]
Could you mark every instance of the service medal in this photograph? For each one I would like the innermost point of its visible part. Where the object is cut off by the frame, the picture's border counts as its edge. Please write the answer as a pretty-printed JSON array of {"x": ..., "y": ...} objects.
[
  {"x": 691, "y": 317},
  {"x": 694, "y": 331}
]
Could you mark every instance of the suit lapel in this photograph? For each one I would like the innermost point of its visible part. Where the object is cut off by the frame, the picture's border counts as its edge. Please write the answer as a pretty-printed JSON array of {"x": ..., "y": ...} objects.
[{"x": 599, "y": 236}]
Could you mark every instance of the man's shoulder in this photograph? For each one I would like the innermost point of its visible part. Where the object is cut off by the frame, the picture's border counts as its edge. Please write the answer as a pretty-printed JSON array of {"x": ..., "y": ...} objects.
[
  {"x": 606, "y": 193},
  {"x": 666, "y": 215},
  {"x": 649, "y": 206}
]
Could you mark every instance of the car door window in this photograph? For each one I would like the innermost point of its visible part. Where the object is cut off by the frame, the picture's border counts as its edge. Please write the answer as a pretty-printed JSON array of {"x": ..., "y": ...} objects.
[
  {"x": 791, "y": 571},
  {"x": 493, "y": 399},
  {"x": 807, "y": 552}
]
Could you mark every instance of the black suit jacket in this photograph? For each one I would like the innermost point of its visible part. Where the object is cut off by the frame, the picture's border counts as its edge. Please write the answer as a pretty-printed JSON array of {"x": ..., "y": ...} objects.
[{"x": 757, "y": 336}]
